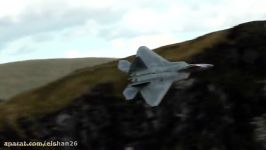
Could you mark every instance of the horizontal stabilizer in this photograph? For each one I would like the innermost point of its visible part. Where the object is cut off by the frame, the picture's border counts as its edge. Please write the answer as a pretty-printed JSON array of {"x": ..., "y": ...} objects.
[
  {"x": 124, "y": 65},
  {"x": 130, "y": 92}
]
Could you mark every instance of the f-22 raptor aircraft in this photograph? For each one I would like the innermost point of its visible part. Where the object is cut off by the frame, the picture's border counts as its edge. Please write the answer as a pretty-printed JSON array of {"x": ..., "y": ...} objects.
[{"x": 152, "y": 75}]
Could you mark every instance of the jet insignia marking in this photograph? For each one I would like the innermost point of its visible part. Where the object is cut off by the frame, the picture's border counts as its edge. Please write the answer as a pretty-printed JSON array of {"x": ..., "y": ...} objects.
[{"x": 152, "y": 75}]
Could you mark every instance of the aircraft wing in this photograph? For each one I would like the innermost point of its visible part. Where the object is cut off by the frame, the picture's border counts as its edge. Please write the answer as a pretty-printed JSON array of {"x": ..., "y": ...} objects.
[
  {"x": 150, "y": 58},
  {"x": 154, "y": 92}
]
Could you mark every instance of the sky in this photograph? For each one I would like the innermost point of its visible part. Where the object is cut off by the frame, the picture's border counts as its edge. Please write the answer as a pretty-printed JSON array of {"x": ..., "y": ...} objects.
[{"x": 40, "y": 29}]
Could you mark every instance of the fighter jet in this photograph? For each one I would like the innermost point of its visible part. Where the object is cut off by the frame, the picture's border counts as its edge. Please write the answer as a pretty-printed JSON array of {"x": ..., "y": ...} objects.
[{"x": 152, "y": 75}]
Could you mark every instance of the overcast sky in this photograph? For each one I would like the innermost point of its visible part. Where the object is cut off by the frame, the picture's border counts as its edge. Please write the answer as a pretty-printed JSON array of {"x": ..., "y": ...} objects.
[{"x": 37, "y": 29}]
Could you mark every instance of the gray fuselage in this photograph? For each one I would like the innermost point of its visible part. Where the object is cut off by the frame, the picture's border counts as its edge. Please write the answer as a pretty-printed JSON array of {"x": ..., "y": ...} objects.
[{"x": 170, "y": 71}]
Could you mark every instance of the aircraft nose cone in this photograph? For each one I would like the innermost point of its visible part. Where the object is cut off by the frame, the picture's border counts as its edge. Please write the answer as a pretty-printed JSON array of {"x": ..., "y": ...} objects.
[
  {"x": 205, "y": 66},
  {"x": 209, "y": 65}
]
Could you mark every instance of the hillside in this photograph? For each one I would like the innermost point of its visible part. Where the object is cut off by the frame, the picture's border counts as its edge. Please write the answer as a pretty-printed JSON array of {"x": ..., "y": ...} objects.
[
  {"x": 17, "y": 77},
  {"x": 222, "y": 108}
]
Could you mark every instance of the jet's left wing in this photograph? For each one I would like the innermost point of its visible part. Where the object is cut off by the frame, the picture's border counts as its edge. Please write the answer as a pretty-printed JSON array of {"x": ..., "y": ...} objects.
[
  {"x": 154, "y": 92},
  {"x": 150, "y": 58}
]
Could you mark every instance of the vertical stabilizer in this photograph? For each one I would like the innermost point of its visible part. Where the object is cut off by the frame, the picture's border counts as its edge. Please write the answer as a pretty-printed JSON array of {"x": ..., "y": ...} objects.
[{"x": 137, "y": 65}]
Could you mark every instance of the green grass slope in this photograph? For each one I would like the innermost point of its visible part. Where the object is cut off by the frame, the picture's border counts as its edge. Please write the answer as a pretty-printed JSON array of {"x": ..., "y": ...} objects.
[
  {"x": 21, "y": 76},
  {"x": 58, "y": 94}
]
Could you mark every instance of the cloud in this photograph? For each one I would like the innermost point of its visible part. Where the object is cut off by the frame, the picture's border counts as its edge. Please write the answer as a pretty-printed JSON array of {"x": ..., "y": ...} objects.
[
  {"x": 49, "y": 17},
  {"x": 113, "y": 27},
  {"x": 25, "y": 49},
  {"x": 73, "y": 54},
  {"x": 42, "y": 37}
]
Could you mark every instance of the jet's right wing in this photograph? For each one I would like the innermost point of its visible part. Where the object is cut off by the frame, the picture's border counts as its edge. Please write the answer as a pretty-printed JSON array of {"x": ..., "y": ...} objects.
[
  {"x": 154, "y": 92},
  {"x": 150, "y": 58}
]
